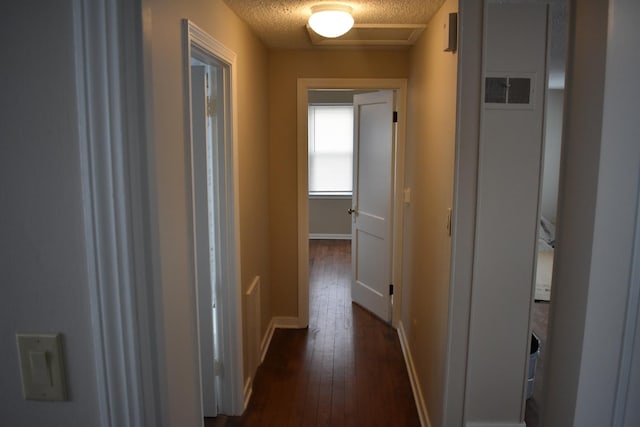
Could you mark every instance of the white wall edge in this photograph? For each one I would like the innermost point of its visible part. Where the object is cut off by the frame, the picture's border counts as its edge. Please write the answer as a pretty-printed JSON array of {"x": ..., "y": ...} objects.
[
  {"x": 463, "y": 221},
  {"x": 109, "y": 87},
  {"x": 423, "y": 414},
  {"x": 320, "y": 236},
  {"x": 287, "y": 323}
]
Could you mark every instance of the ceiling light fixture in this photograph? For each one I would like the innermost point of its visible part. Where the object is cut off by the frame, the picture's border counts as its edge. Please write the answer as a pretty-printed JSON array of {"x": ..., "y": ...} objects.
[{"x": 331, "y": 20}]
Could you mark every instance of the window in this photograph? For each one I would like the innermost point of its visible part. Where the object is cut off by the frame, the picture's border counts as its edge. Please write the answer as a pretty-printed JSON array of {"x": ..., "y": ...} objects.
[{"x": 330, "y": 149}]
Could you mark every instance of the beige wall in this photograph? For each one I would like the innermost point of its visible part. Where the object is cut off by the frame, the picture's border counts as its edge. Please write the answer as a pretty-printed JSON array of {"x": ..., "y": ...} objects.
[
  {"x": 429, "y": 175},
  {"x": 164, "y": 35},
  {"x": 285, "y": 67}
]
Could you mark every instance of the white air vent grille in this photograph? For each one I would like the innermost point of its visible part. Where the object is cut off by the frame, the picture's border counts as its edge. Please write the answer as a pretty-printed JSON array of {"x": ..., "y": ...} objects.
[{"x": 511, "y": 91}]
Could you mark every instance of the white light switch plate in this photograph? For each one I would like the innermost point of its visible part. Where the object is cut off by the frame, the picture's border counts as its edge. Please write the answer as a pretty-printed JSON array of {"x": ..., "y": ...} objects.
[
  {"x": 41, "y": 366},
  {"x": 407, "y": 196}
]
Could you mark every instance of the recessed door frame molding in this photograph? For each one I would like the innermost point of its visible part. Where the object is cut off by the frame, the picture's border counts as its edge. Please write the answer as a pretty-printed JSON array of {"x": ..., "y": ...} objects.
[
  {"x": 198, "y": 43},
  {"x": 113, "y": 166},
  {"x": 304, "y": 85}
]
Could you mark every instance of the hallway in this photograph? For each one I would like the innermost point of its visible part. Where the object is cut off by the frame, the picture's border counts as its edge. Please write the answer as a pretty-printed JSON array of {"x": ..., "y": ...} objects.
[{"x": 346, "y": 369}]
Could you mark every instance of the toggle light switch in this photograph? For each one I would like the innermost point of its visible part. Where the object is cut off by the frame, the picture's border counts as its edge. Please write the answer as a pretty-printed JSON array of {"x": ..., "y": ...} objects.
[
  {"x": 40, "y": 372},
  {"x": 41, "y": 366}
]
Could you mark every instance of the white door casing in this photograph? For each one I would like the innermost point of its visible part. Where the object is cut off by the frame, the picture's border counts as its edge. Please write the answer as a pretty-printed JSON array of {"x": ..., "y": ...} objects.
[
  {"x": 202, "y": 47},
  {"x": 303, "y": 86},
  {"x": 372, "y": 212},
  {"x": 204, "y": 239}
]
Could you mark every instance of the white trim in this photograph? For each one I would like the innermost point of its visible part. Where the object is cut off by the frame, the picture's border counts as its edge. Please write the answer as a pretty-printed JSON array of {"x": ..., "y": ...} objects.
[
  {"x": 264, "y": 347},
  {"x": 321, "y": 236},
  {"x": 303, "y": 86},
  {"x": 232, "y": 396},
  {"x": 247, "y": 391},
  {"x": 423, "y": 413},
  {"x": 286, "y": 323},
  {"x": 468, "y": 101},
  {"x": 266, "y": 340},
  {"x": 329, "y": 196},
  {"x": 113, "y": 174}
]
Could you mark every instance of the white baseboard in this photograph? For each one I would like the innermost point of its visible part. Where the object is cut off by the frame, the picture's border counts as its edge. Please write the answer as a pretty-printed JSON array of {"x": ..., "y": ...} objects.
[
  {"x": 266, "y": 340},
  {"x": 423, "y": 414},
  {"x": 320, "y": 236},
  {"x": 485, "y": 424},
  {"x": 286, "y": 323},
  {"x": 248, "y": 389}
]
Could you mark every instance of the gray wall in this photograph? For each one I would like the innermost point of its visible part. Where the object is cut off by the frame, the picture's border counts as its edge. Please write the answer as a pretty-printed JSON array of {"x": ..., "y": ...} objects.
[
  {"x": 595, "y": 308},
  {"x": 329, "y": 216},
  {"x": 552, "y": 140},
  {"x": 42, "y": 246}
]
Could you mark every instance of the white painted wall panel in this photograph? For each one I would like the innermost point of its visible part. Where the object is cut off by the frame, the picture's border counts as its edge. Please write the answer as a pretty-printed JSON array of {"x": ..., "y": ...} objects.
[
  {"x": 508, "y": 187},
  {"x": 42, "y": 248}
]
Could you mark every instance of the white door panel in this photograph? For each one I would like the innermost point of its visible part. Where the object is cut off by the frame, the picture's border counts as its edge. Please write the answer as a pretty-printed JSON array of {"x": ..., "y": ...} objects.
[{"x": 372, "y": 201}]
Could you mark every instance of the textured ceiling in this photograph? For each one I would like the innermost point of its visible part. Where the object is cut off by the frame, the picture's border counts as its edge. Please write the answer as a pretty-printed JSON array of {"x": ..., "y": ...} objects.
[{"x": 281, "y": 24}]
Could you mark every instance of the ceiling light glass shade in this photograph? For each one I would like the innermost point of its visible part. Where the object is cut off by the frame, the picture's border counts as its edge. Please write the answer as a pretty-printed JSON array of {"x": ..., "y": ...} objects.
[{"x": 331, "y": 20}]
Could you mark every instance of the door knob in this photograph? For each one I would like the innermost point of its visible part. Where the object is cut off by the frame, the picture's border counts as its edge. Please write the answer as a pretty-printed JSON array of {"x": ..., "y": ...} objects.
[{"x": 350, "y": 211}]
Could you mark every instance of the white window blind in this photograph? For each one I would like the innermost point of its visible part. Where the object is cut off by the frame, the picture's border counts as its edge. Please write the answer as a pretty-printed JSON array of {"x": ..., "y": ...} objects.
[{"x": 330, "y": 149}]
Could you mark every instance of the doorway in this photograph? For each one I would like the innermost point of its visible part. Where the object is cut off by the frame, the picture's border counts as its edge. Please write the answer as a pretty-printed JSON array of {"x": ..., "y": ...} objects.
[
  {"x": 208, "y": 71},
  {"x": 547, "y": 211},
  {"x": 205, "y": 137},
  {"x": 304, "y": 86}
]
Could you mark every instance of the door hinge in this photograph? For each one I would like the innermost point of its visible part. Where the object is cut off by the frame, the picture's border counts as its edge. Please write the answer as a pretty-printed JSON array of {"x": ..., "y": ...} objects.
[
  {"x": 391, "y": 289},
  {"x": 395, "y": 117}
]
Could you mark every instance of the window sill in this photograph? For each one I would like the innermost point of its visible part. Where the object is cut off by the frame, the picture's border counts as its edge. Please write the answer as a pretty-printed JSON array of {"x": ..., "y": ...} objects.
[{"x": 330, "y": 195}]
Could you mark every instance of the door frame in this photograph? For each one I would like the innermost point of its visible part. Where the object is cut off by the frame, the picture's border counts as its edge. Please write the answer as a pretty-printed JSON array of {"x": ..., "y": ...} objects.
[
  {"x": 212, "y": 52},
  {"x": 303, "y": 87},
  {"x": 113, "y": 150}
]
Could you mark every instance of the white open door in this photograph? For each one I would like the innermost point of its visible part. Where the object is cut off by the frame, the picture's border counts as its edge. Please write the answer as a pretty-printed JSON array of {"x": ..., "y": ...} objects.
[{"x": 372, "y": 211}]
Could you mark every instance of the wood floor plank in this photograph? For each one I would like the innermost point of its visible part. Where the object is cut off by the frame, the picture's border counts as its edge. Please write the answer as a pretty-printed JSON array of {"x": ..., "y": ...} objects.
[{"x": 346, "y": 369}]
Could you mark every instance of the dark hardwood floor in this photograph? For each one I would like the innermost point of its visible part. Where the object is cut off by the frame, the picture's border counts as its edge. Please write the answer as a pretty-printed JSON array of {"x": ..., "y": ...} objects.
[{"x": 346, "y": 369}]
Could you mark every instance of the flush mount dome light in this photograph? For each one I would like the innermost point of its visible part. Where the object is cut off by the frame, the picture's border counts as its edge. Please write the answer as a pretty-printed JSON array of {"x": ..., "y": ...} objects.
[{"x": 331, "y": 20}]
